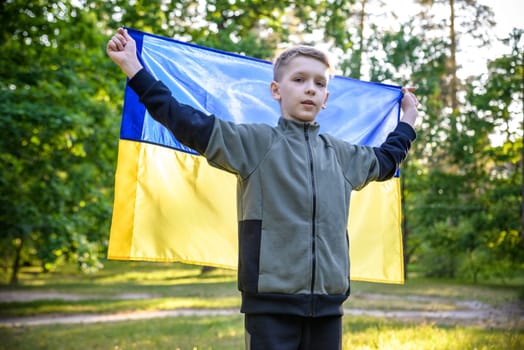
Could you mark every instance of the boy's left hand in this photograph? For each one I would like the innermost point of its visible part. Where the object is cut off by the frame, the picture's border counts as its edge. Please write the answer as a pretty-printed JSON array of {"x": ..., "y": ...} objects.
[
  {"x": 409, "y": 106},
  {"x": 409, "y": 100}
]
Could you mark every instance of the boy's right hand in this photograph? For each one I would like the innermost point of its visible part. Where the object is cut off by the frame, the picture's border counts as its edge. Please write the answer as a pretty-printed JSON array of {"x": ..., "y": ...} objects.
[{"x": 121, "y": 48}]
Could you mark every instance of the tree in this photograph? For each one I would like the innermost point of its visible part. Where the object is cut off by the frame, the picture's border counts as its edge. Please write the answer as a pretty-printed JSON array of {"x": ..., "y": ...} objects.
[
  {"x": 452, "y": 213},
  {"x": 461, "y": 214},
  {"x": 56, "y": 178},
  {"x": 499, "y": 102}
]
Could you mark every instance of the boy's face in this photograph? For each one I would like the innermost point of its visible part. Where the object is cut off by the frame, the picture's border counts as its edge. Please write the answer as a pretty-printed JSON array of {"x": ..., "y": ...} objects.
[{"x": 302, "y": 88}]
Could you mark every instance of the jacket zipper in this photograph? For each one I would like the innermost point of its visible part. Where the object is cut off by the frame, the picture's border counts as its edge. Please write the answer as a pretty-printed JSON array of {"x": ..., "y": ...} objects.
[{"x": 313, "y": 215}]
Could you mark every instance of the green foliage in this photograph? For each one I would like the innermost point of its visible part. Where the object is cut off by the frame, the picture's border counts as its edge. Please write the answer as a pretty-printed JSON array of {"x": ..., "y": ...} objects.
[
  {"x": 461, "y": 215},
  {"x": 57, "y": 146}
]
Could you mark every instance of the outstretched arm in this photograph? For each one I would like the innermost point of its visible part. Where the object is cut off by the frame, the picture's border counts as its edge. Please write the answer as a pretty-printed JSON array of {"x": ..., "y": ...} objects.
[
  {"x": 190, "y": 126},
  {"x": 395, "y": 149},
  {"x": 121, "y": 48}
]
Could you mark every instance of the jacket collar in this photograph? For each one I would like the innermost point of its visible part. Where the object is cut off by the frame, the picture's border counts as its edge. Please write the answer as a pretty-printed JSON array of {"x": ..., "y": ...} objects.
[{"x": 298, "y": 126}]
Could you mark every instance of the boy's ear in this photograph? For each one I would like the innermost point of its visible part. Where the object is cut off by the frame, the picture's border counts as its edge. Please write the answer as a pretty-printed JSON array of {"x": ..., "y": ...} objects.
[
  {"x": 275, "y": 90},
  {"x": 325, "y": 101}
]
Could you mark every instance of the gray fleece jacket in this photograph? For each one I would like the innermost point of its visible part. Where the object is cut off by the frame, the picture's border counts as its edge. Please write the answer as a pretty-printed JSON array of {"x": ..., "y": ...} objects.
[{"x": 293, "y": 192}]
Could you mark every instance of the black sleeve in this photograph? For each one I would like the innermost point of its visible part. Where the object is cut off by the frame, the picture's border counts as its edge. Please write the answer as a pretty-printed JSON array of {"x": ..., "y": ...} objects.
[
  {"x": 189, "y": 125},
  {"x": 394, "y": 150}
]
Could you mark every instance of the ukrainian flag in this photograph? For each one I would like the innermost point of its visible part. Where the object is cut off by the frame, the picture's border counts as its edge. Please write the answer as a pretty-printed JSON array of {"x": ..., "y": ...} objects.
[{"x": 171, "y": 206}]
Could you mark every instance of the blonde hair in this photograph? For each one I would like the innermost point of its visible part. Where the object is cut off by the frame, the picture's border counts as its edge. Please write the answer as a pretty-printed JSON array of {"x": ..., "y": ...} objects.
[{"x": 302, "y": 50}]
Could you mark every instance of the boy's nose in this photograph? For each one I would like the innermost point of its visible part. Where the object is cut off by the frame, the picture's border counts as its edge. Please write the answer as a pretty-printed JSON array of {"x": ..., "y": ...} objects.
[{"x": 310, "y": 89}]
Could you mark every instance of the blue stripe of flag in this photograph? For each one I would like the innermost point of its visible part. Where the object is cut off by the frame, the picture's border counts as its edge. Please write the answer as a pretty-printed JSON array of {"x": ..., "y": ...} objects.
[{"x": 236, "y": 88}]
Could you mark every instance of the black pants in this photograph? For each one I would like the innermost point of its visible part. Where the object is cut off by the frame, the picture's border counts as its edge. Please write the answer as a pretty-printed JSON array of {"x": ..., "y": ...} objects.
[{"x": 286, "y": 332}]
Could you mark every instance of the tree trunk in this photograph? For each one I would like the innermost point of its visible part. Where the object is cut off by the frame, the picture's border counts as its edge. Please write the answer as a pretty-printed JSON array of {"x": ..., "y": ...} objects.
[
  {"x": 522, "y": 160},
  {"x": 16, "y": 263},
  {"x": 361, "y": 24},
  {"x": 453, "y": 60}
]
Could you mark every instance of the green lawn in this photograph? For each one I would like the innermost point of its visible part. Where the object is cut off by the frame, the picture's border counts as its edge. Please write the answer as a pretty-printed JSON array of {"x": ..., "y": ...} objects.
[
  {"x": 221, "y": 332},
  {"x": 125, "y": 286}
]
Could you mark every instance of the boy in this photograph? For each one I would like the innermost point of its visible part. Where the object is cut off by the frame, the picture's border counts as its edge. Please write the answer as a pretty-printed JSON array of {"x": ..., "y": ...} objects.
[{"x": 294, "y": 188}]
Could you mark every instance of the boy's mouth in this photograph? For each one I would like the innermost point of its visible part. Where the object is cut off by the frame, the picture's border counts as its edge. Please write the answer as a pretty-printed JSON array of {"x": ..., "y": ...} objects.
[{"x": 308, "y": 103}]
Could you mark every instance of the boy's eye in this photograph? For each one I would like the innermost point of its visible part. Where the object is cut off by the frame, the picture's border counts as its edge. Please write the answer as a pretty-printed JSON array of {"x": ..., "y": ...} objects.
[
  {"x": 321, "y": 84},
  {"x": 298, "y": 79}
]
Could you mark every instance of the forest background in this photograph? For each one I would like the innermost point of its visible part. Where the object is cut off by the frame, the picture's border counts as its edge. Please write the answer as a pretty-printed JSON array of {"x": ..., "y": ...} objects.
[{"x": 61, "y": 101}]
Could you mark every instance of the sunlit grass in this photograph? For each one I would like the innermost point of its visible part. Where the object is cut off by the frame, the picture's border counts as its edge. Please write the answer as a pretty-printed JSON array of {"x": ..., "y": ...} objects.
[
  {"x": 159, "y": 286},
  {"x": 61, "y": 307},
  {"x": 226, "y": 332},
  {"x": 363, "y": 333},
  {"x": 153, "y": 279},
  {"x": 171, "y": 333}
]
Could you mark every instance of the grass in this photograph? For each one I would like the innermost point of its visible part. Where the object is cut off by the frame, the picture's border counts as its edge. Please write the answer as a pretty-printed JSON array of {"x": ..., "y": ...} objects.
[
  {"x": 226, "y": 333},
  {"x": 155, "y": 286},
  {"x": 171, "y": 333},
  {"x": 366, "y": 333}
]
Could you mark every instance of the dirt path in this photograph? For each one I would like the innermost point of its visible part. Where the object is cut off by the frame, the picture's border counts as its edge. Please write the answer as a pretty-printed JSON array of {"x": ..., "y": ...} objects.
[
  {"x": 124, "y": 316},
  {"x": 470, "y": 313}
]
